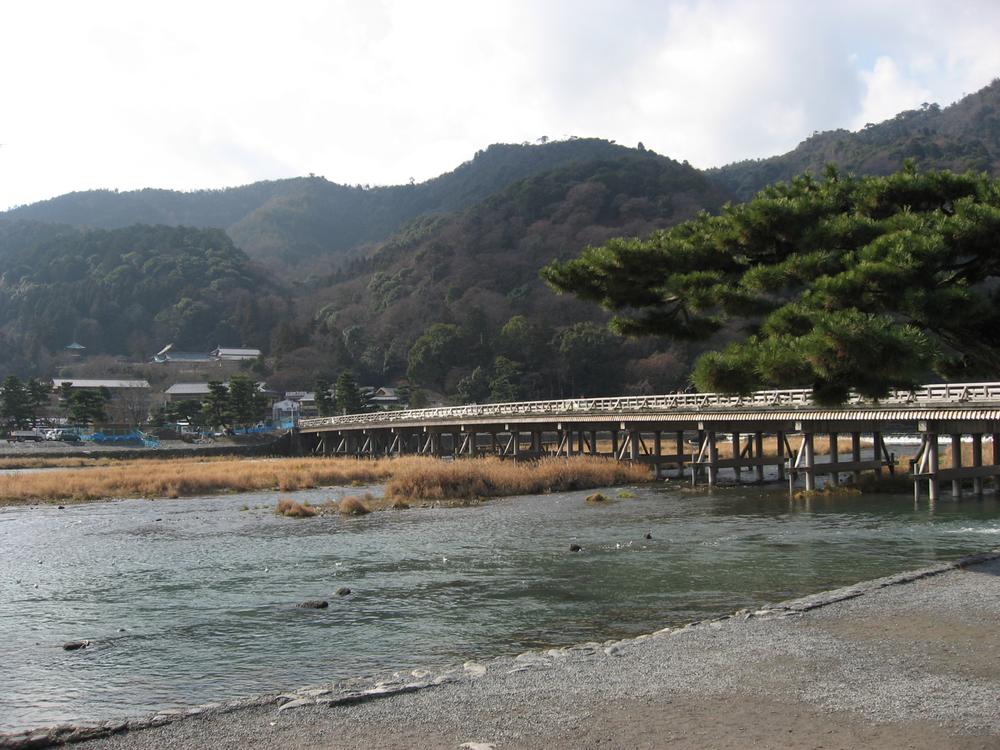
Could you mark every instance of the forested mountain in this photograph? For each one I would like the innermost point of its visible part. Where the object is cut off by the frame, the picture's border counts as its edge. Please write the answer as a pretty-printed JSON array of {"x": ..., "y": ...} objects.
[
  {"x": 476, "y": 271},
  {"x": 436, "y": 281},
  {"x": 126, "y": 291},
  {"x": 962, "y": 137},
  {"x": 284, "y": 222}
]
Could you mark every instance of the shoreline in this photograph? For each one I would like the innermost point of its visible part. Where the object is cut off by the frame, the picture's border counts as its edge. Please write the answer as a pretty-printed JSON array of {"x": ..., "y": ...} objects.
[{"x": 357, "y": 693}]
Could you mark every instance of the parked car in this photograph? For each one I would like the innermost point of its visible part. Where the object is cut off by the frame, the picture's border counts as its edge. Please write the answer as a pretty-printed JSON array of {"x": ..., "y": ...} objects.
[{"x": 66, "y": 436}]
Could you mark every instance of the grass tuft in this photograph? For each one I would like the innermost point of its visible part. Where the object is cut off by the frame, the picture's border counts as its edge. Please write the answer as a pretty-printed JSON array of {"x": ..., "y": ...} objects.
[
  {"x": 292, "y": 509},
  {"x": 354, "y": 505}
]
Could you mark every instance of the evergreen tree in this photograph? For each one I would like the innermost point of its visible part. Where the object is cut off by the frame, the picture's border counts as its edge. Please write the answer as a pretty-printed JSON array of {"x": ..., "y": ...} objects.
[
  {"x": 244, "y": 403},
  {"x": 215, "y": 407},
  {"x": 38, "y": 397},
  {"x": 505, "y": 384},
  {"x": 15, "y": 403},
  {"x": 65, "y": 398},
  {"x": 324, "y": 399},
  {"x": 474, "y": 388},
  {"x": 349, "y": 399},
  {"x": 866, "y": 283},
  {"x": 87, "y": 406}
]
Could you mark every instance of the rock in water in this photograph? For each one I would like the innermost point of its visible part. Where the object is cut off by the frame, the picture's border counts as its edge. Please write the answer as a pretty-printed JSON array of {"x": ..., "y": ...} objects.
[
  {"x": 575, "y": 548},
  {"x": 315, "y": 604},
  {"x": 649, "y": 535},
  {"x": 75, "y": 645},
  {"x": 342, "y": 591}
]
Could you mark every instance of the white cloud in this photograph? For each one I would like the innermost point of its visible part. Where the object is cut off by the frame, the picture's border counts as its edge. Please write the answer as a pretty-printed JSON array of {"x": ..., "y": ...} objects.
[
  {"x": 889, "y": 91},
  {"x": 185, "y": 95}
]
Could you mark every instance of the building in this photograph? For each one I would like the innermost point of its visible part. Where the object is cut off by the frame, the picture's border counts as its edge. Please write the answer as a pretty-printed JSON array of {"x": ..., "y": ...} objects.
[
  {"x": 114, "y": 386},
  {"x": 199, "y": 391},
  {"x": 235, "y": 355},
  {"x": 285, "y": 411},
  {"x": 306, "y": 401},
  {"x": 186, "y": 392},
  {"x": 169, "y": 355},
  {"x": 385, "y": 398}
]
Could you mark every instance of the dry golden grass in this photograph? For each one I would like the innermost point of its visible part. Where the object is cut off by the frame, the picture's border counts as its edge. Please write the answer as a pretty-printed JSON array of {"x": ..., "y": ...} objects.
[
  {"x": 422, "y": 479},
  {"x": 354, "y": 505},
  {"x": 293, "y": 509},
  {"x": 408, "y": 478},
  {"x": 79, "y": 462},
  {"x": 186, "y": 477}
]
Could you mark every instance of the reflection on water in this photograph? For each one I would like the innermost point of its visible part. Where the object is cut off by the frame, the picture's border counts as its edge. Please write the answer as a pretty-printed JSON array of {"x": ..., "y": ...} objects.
[{"x": 188, "y": 601}]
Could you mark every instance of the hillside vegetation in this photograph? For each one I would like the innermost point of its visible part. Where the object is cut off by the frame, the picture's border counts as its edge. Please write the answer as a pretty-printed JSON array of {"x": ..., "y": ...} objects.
[
  {"x": 125, "y": 291},
  {"x": 282, "y": 223},
  {"x": 962, "y": 137},
  {"x": 459, "y": 297}
]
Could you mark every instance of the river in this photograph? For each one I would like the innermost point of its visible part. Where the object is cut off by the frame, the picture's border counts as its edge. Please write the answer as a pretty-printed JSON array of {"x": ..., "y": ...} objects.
[{"x": 193, "y": 600}]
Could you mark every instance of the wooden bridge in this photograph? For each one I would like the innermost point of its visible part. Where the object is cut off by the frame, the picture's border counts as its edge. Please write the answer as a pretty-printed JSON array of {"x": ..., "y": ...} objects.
[{"x": 683, "y": 431}]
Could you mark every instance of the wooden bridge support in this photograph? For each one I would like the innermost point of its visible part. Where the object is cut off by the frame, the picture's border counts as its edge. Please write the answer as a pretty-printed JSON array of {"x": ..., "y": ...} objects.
[{"x": 661, "y": 445}]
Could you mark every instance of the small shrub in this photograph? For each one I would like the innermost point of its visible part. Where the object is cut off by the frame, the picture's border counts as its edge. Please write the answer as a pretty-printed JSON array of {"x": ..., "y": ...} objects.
[
  {"x": 597, "y": 498},
  {"x": 355, "y": 506},
  {"x": 626, "y": 494},
  {"x": 291, "y": 509}
]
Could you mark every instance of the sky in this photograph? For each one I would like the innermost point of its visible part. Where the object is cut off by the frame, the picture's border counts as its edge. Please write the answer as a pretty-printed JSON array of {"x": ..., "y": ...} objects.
[{"x": 208, "y": 94}]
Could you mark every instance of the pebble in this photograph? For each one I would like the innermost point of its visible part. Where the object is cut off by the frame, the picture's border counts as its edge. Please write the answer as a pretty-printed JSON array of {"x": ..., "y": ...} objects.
[
  {"x": 343, "y": 591},
  {"x": 75, "y": 645}
]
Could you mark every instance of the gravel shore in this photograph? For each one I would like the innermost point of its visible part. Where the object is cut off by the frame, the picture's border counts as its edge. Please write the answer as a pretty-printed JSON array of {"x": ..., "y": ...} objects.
[{"x": 911, "y": 661}]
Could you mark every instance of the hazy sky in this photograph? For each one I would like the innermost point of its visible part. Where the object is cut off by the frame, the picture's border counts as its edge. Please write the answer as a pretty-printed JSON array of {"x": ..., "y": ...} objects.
[{"x": 202, "y": 94}]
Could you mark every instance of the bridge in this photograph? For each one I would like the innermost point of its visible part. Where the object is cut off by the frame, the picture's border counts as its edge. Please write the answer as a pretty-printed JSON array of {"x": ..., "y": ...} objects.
[{"x": 683, "y": 432}]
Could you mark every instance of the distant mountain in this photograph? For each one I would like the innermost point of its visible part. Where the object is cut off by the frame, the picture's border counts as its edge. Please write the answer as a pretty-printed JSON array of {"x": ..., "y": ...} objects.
[
  {"x": 437, "y": 279},
  {"x": 283, "y": 222},
  {"x": 128, "y": 290},
  {"x": 477, "y": 269},
  {"x": 961, "y": 137}
]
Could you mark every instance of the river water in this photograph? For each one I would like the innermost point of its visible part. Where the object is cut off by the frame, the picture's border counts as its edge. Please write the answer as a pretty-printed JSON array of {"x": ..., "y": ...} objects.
[{"x": 188, "y": 601}]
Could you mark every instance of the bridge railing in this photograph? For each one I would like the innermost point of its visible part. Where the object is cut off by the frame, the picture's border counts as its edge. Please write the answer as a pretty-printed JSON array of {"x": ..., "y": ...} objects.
[{"x": 795, "y": 398}]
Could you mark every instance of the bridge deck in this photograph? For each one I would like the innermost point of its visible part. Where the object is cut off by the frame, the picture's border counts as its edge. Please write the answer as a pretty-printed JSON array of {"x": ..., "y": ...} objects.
[{"x": 635, "y": 426}]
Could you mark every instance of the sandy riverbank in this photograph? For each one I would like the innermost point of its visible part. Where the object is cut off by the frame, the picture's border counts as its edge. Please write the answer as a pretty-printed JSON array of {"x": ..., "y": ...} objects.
[{"x": 911, "y": 661}]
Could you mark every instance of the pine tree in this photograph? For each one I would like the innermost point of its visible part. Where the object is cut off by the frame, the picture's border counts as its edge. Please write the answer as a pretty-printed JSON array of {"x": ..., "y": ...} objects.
[
  {"x": 842, "y": 283},
  {"x": 348, "y": 395},
  {"x": 215, "y": 407},
  {"x": 324, "y": 399}
]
